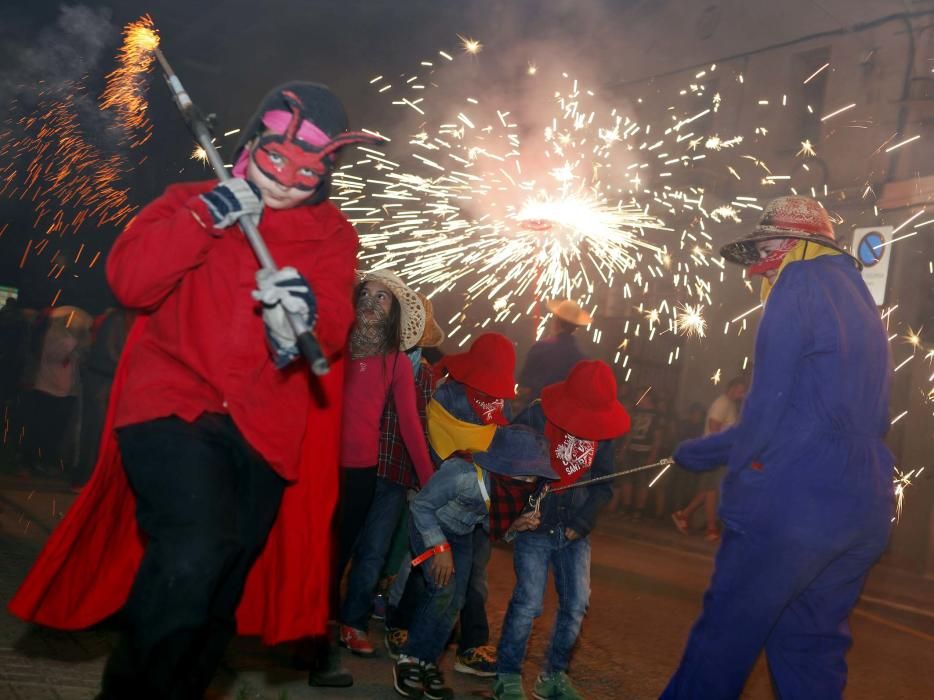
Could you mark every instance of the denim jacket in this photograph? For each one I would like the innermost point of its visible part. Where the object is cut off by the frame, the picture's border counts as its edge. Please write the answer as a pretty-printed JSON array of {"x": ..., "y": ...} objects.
[
  {"x": 452, "y": 395},
  {"x": 451, "y": 502},
  {"x": 576, "y": 508}
]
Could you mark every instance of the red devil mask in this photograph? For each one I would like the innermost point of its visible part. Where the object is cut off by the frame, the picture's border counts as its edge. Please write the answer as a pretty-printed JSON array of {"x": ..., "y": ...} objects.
[{"x": 302, "y": 155}]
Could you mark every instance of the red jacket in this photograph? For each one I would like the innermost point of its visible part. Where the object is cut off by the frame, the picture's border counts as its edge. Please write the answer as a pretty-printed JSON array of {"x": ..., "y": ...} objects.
[
  {"x": 85, "y": 571},
  {"x": 204, "y": 347}
]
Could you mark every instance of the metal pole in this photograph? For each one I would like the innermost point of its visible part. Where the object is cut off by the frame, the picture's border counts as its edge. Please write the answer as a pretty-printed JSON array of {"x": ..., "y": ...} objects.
[
  {"x": 535, "y": 501},
  {"x": 307, "y": 343}
]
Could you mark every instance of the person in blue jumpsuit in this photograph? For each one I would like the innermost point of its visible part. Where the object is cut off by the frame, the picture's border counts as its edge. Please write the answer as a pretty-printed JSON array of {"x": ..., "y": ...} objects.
[{"x": 807, "y": 500}]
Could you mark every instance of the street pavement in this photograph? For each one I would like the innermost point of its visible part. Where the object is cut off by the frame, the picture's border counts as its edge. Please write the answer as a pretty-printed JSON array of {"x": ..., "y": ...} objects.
[{"x": 647, "y": 585}]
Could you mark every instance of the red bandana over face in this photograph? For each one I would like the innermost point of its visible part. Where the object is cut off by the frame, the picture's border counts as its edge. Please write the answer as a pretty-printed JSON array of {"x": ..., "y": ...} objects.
[
  {"x": 773, "y": 260},
  {"x": 293, "y": 162},
  {"x": 488, "y": 409},
  {"x": 570, "y": 456}
]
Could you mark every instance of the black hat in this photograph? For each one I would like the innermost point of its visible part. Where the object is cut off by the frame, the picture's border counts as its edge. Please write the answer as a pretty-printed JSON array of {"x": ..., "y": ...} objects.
[{"x": 319, "y": 106}]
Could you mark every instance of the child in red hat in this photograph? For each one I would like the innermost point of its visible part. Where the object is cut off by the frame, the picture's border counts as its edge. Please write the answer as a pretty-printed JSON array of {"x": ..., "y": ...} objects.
[
  {"x": 485, "y": 492},
  {"x": 580, "y": 417},
  {"x": 463, "y": 416}
]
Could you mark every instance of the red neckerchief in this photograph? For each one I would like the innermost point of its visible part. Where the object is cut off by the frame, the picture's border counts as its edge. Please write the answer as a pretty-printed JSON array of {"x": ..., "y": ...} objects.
[
  {"x": 488, "y": 409},
  {"x": 508, "y": 498},
  {"x": 773, "y": 260},
  {"x": 570, "y": 456}
]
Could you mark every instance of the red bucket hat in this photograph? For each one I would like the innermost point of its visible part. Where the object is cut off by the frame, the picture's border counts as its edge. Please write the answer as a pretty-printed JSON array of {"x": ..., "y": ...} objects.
[
  {"x": 585, "y": 403},
  {"x": 488, "y": 366}
]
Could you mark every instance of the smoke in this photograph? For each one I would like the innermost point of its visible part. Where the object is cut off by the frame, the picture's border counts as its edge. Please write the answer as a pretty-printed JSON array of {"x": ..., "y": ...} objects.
[
  {"x": 60, "y": 57},
  {"x": 57, "y": 66}
]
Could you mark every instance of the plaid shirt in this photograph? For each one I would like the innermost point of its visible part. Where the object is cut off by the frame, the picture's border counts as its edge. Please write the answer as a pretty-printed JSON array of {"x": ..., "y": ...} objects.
[
  {"x": 394, "y": 462},
  {"x": 508, "y": 498}
]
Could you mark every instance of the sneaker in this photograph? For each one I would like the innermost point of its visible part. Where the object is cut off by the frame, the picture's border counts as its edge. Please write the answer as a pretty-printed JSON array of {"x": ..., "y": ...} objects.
[
  {"x": 379, "y": 607},
  {"x": 407, "y": 678},
  {"x": 555, "y": 686},
  {"x": 508, "y": 686},
  {"x": 395, "y": 640},
  {"x": 477, "y": 661},
  {"x": 356, "y": 641},
  {"x": 433, "y": 687}
]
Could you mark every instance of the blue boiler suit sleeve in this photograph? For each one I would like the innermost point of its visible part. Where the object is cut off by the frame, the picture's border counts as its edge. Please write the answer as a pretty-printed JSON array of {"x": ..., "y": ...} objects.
[{"x": 781, "y": 342}]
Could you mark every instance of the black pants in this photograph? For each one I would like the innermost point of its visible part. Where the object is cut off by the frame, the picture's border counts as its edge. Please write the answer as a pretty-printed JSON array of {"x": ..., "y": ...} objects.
[
  {"x": 206, "y": 501},
  {"x": 357, "y": 487}
]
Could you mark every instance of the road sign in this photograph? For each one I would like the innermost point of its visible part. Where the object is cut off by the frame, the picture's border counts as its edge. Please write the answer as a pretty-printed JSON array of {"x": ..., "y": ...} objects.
[{"x": 871, "y": 246}]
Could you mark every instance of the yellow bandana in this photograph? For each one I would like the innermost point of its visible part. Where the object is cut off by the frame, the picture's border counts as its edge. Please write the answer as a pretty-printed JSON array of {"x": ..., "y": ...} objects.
[
  {"x": 801, "y": 251},
  {"x": 448, "y": 435}
]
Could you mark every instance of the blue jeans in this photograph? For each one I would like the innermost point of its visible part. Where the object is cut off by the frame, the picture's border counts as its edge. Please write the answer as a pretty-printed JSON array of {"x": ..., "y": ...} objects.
[
  {"x": 475, "y": 628},
  {"x": 370, "y": 551},
  {"x": 439, "y": 607},
  {"x": 533, "y": 553}
]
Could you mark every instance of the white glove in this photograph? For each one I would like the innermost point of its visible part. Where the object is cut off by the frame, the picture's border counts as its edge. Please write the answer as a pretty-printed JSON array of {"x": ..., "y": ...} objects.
[
  {"x": 281, "y": 292},
  {"x": 230, "y": 200}
]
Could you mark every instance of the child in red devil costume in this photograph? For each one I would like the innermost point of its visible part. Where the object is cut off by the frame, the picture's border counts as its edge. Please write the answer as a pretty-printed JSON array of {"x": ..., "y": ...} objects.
[{"x": 214, "y": 418}]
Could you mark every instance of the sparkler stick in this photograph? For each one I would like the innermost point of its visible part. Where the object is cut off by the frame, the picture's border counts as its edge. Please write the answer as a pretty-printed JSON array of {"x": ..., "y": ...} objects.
[
  {"x": 535, "y": 501},
  {"x": 305, "y": 339}
]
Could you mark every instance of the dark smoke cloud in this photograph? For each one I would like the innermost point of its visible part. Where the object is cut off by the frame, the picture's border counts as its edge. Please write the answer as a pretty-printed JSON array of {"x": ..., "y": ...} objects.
[{"x": 61, "y": 55}]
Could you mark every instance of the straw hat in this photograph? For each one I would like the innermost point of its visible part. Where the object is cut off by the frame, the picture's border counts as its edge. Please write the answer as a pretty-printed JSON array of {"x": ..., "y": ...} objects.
[
  {"x": 786, "y": 217},
  {"x": 569, "y": 311},
  {"x": 412, "y": 322},
  {"x": 433, "y": 335}
]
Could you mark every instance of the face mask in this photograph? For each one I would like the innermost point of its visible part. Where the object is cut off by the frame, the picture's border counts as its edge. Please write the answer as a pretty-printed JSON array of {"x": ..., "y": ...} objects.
[
  {"x": 299, "y": 154},
  {"x": 773, "y": 260},
  {"x": 371, "y": 331}
]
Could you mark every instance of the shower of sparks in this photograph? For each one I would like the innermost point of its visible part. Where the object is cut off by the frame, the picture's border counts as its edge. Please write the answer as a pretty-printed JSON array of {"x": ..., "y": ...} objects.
[
  {"x": 199, "y": 154},
  {"x": 594, "y": 206},
  {"x": 49, "y": 163},
  {"x": 126, "y": 86},
  {"x": 46, "y": 159},
  {"x": 716, "y": 377}
]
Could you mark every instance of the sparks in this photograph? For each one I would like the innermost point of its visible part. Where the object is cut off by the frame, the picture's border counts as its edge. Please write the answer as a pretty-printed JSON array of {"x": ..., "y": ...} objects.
[
  {"x": 807, "y": 149},
  {"x": 690, "y": 321},
  {"x": 471, "y": 46}
]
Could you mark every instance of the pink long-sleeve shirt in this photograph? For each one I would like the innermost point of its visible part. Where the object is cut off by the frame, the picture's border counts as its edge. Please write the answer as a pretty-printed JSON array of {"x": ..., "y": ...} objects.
[{"x": 367, "y": 384}]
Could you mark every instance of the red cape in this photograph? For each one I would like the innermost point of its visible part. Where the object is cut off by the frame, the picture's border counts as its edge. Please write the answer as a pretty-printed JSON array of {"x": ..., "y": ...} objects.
[{"x": 86, "y": 568}]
